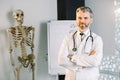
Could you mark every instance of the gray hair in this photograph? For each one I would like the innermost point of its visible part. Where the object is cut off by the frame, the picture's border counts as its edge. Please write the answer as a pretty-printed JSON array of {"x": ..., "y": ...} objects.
[{"x": 85, "y": 9}]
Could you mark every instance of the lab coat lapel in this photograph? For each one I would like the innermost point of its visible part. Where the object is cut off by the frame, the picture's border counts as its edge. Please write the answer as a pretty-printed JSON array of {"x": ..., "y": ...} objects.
[{"x": 81, "y": 45}]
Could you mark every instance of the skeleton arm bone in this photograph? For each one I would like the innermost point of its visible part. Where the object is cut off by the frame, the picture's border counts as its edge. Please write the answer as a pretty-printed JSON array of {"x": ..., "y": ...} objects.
[
  {"x": 10, "y": 47},
  {"x": 33, "y": 57},
  {"x": 32, "y": 46}
]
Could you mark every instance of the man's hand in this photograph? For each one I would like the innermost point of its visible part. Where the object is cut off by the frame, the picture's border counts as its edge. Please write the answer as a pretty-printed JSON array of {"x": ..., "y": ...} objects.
[
  {"x": 92, "y": 52},
  {"x": 70, "y": 56}
]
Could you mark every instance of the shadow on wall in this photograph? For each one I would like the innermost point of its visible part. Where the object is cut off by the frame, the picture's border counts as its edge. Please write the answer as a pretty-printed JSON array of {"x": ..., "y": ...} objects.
[
  {"x": 41, "y": 57},
  {"x": 10, "y": 17}
]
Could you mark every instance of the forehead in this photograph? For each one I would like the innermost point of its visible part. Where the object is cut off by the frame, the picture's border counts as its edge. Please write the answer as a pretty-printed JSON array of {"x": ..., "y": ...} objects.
[
  {"x": 18, "y": 12},
  {"x": 83, "y": 14}
]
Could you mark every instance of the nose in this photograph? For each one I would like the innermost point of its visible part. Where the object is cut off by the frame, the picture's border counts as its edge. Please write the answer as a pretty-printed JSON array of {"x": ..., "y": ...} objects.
[
  {"x": 20, "y": 18},
  {"x": 82, "y": 20}
]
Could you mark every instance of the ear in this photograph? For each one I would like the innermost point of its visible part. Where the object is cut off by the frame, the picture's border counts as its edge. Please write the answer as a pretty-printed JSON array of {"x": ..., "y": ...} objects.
[{"x": 91, "y": 20}]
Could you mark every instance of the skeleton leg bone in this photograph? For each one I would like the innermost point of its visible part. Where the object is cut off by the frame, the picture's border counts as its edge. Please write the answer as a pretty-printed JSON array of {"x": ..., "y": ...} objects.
[
  {"x": 18, "y": 71},
  {"x": 33, "y": 70}
]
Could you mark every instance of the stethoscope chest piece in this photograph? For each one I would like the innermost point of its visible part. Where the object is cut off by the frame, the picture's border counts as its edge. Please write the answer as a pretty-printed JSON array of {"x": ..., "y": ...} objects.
[{"x": 74, "y": 49}]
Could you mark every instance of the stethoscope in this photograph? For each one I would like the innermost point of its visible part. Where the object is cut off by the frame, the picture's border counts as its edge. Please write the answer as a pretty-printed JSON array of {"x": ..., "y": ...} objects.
[{"x": 74, "y": 44}]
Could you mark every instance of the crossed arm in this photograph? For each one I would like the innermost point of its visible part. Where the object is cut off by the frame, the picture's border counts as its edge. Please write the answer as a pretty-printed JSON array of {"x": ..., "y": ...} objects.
[{"x": 93, "y": 52}]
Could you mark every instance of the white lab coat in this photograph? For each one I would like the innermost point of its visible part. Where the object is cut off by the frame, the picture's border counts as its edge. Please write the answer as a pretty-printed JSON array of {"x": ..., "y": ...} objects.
[{"x": 81, "y": 66}]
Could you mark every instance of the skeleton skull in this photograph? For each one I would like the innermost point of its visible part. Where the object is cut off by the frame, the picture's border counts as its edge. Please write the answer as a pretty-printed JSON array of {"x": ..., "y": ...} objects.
[{"x": 18, "y": 15}]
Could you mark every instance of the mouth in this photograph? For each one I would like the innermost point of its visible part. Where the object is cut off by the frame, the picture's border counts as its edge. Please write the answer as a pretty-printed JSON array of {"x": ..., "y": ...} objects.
[{"x": 83, "y": 26}]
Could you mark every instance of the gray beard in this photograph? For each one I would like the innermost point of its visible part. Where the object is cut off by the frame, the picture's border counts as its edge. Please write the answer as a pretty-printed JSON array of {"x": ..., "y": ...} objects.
[{"x": 84, "y": 27}]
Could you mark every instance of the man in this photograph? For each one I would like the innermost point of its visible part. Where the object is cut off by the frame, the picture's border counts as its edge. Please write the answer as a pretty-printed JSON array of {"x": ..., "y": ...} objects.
[{"x": 81, "y": 51}]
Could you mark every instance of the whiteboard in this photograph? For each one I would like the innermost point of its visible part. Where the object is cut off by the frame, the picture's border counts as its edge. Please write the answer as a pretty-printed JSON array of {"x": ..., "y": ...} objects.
[{"x": 56, "y": 30}]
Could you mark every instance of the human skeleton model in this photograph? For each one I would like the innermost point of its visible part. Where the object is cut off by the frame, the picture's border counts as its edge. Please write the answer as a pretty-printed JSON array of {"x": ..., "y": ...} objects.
[{"x": 21, "y": 44}]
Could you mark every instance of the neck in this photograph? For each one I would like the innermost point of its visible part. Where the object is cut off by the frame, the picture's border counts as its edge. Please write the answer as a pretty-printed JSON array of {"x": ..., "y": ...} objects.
[
  {"x": 19, "y": 23},
  {"x": 81, "y": 30}
]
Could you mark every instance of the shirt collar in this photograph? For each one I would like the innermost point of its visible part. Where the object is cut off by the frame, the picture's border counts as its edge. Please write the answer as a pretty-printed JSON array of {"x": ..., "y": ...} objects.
[{"x": 86, "y": 32}]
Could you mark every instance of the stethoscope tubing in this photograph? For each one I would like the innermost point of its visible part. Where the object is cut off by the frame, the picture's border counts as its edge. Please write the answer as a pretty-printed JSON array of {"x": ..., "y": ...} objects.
[{"x": 90, "y": 36}]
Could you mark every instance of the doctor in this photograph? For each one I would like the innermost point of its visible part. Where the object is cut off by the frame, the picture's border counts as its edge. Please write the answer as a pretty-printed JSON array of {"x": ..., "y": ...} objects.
[{"x": 81, "y": 51}]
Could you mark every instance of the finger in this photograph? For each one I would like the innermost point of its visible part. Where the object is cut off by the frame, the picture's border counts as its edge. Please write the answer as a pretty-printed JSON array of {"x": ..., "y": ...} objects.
[{"x": 92, "y": 52}]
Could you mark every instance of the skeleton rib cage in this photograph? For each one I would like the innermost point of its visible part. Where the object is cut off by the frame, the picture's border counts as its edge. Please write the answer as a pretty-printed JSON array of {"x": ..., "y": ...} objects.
[{"x": 17, "y": 36}]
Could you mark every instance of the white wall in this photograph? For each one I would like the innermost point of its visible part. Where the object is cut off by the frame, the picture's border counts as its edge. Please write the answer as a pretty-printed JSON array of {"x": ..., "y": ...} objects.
[
  {"x": 104, "y": 22},
  {"x": 37, "y": 13}
]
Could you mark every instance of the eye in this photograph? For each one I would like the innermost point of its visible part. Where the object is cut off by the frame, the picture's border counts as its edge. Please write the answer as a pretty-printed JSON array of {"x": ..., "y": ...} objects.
[
  {"x": 79, "y": 18},
  {"x": 17, "y": 15},
  {"x": 85, "y": 17},
  {"x": 22, "y": 14}
]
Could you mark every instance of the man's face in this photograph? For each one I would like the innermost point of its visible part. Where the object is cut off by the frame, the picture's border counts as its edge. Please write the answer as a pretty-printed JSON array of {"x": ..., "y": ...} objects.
[{"x": 83, "y": 20}]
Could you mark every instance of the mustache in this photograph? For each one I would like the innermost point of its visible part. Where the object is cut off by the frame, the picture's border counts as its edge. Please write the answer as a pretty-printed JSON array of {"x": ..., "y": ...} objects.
[{"x": 83, "y": 25}]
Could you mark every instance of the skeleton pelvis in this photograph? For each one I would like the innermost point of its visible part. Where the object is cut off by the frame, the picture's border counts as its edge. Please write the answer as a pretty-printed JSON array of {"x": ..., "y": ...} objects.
[{"x": 26, "y": 61}]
